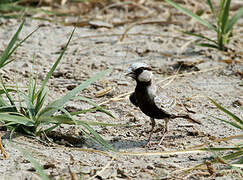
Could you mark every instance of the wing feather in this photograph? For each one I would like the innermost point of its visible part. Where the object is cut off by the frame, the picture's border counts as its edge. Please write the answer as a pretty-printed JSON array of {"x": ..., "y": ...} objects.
[{"x": 165, "y": 103}]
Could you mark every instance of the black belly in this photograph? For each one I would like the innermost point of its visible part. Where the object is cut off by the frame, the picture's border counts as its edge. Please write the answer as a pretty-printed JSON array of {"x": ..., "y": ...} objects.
[
  {"x": 153, "y": 112},
  {"x": 148, "y": 107}
]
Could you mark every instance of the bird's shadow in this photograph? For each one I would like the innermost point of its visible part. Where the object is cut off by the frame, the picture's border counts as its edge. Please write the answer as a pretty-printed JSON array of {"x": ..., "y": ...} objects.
[
  {"x": 118, "y": 145},
  {"x": 123, "y": 144}
]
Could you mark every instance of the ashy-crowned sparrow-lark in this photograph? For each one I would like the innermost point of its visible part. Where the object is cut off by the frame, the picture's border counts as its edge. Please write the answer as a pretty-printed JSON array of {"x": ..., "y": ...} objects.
[{"x": 155, "y": 106}]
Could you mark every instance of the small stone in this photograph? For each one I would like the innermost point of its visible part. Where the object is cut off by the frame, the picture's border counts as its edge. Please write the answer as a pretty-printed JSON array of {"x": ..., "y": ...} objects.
[
  {"x": 71, "y": 86},
  {"x": 192, "y": 133},
  {"x": 57, "y": 74},
  {"x": 160, "y": 165},
  {"x": 116, "y": 139},
  {"x": 25, "y": 65},
  {"x": 86, "y": 169},
  {"x": 237, "y": 103},
  {"x": 150, "y": 167},
  {"x": 164, "y": 156},
  {"x": 161, "y": 173},
  {"x": 100, "y": 24}
]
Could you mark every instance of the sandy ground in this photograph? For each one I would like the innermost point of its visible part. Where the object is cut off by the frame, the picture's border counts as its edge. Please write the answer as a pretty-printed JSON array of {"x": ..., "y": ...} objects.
[{"x": 96, "y": 49}]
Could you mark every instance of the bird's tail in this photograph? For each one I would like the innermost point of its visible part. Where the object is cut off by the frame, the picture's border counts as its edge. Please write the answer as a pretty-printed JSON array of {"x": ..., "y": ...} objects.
[{"x": 189, "y": 118}]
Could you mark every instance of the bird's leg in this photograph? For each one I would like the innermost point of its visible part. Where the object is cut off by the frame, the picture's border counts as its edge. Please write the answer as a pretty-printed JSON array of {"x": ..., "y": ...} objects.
[
  {"x": 151, "y": 132},
  {"x": 165, "y": 131}
]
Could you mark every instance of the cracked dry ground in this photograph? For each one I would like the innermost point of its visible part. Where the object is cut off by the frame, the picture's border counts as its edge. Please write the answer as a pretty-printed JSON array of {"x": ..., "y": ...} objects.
[{"x": 203, "y": 73}]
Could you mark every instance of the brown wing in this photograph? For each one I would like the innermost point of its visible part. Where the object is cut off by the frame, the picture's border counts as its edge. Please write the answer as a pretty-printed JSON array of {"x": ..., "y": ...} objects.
[{"x": 170, "y": 106}]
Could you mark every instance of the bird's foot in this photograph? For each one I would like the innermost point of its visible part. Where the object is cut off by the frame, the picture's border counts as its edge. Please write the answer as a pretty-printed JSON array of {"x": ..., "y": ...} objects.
[
  {"x": 162, "y": 138},
  {"x": 153, "y": 145},
  {"x": 150, "y": 145}
]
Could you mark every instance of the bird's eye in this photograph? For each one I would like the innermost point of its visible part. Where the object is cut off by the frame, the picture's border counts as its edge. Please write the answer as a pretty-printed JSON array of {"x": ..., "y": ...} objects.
[{"x": 139, "y": 70}]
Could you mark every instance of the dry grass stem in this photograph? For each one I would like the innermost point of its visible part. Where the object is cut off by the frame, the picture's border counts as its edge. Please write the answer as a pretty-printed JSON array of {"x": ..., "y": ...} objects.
[
  {"x": 103, "y": 169},
  {"x": 160, "y": 153},
  {"x": 218, "y": 140},
  {"x": 126, "y": 3}
]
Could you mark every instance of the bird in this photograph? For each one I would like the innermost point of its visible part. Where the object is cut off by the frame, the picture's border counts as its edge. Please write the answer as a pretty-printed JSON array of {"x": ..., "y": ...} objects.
[{"x": 152, "y": 104}]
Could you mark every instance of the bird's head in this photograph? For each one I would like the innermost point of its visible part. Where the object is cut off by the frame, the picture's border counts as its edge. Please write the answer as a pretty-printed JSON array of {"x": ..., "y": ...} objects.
[{"x": 141, "y": 72}]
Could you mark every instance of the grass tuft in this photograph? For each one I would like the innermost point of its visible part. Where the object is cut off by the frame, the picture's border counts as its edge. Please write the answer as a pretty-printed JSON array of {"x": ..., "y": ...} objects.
[
  {"x": 31, "y": 114},
  {"x": 224, "y": 24}
]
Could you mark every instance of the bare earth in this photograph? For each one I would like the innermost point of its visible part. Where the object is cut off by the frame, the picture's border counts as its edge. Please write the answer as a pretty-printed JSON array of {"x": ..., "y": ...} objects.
[{"x": 95, "y": 49}]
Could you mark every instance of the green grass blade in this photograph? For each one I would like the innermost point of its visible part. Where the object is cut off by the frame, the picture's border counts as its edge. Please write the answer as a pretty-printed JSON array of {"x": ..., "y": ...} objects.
[
  {"x": 5, "y": 54},
  {"x": 40, "y": 100},
  {"x": 225, "y": 16},
  {"x": 226, "y": 157},
  {"x": 234, "y": 20},
  {"x": 200, "y": 36},
  {"x": 32, "y": 89},
  {"x": 10, "y": 124},
  {"x": 6, "y": 108},
  {"x": 231, "y": 165},
  {"x": 19, "y": 44},
  {"x": 215, "y": 149},
  {"x": 83, "y": 111},
  {"x": 221, "y": 11},
  {"x": 191, "y": 14},
  {"x": 3, "y": 102},
  {"x": 30, "y": 106},
  {"x": 239, "y": 161},
  {"x": 18, "y": 8},
  {"x": 16, "y": 119},
  {"x": 211, "y": 7},
  {"x": 27, "y": 131},
  {"x": 231, "y": 123},
  {"x": 94, "y": 104},
  {"x": 9, "y": 90},
  {"x": 35, "y": 163},
  {"x": 57, "y": 62},
  {"x": 207, "y": 45},
  {"x": 68, "y": 115},
  {"x": 50, "y": 128},
  {"x": 233, "y": 116},
  {"x": 97, "y": 137},
  {"x": 7, "y": 93},
  {"x": 41, "y": 97},
  {"x": 220, "y": 33},
  {"x": 54, "y": 106}
]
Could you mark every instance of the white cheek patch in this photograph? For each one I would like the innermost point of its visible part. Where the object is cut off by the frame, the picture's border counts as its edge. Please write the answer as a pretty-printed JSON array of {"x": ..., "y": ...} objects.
[{"x": 145, "y": 76}]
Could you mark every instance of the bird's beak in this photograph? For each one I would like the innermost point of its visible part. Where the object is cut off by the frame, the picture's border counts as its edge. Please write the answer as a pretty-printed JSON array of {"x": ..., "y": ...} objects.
[{"x": 130, "y": 73}]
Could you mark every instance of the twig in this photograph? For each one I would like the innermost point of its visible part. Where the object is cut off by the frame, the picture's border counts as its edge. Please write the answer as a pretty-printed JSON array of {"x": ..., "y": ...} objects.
[
  {"x": 115, "y": 98},
  {"x": 125, "y": 3},
  {"x": 189, "y": 73},
  {"x": 72, "y": 174},
  {"x": 5, "y": 155}
]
